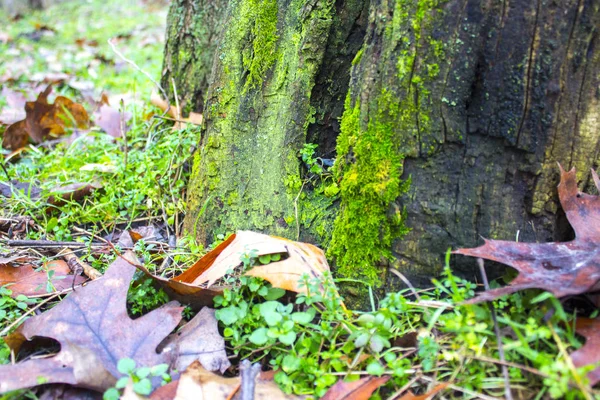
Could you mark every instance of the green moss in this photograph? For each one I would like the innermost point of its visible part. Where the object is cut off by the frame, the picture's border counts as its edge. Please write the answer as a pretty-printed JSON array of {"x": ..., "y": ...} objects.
[
  {"x": 264, "y": 42},
  {"x": 375, "y": 137},
  {"x": 364, "y": 230}
]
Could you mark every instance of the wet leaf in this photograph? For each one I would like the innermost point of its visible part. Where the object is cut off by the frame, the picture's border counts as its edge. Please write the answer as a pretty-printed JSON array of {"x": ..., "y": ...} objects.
[
  {"x": 561, "y": 268},
  {"x": 94, "y": 332},
  {"x": 589, "y": 353},
  {"x": 361, "y": 389},
  {"x": 28, "y": 280}
]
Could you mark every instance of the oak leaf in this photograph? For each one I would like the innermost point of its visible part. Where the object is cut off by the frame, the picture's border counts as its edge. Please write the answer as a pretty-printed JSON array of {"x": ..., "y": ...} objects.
[
  {"x": 589, "y": 353},
  {"x": 44, "y": 120},
  {"x": 411, "y": 396},
  {"x": 565, "y": 268},
  {"x": 27, "y": 280},
  {"x": 94, "y": 331}
]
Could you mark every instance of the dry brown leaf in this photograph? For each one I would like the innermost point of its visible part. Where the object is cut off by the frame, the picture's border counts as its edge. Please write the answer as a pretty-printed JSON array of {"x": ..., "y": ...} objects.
[
  {"x": 196, "y": 383},
  {"x": 24, "y": 279},
  {"x": 361, "y": 389},
  {"x": 199, "y": 340},
  {"x": 175, "y": 113},
  {"x": 111, "y": 120},
  {"x": 44, "y": 120},
  {"x": 297, "y": 259},
  {"x": 411, "y": 396}
]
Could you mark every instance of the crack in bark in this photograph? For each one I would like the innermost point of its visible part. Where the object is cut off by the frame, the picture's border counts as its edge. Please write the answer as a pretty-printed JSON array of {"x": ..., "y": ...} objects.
[
  {"x": 445, "y": 84},
  {"x": 578, "y": 109},
  {"x": 528, "y": 76},
  {"x": 562, "y": 78}
]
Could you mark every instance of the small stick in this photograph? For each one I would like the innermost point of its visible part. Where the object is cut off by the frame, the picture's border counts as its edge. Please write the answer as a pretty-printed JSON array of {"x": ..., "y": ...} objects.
[
  {"x": 134, "y": 65},
  {"x": 248, "y": 375},
  {"x": 5, "y": 171},
  {"x": 75, "y": 263},
  {"x": 175, "y": 120},
  {"x": 486, "y": 285},
  {"x": 48, "y": 243},
  {"x": 406, "y": 282}
]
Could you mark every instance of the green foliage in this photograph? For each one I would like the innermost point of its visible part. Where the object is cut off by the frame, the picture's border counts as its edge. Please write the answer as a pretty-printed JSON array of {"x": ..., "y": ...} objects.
[
  {"x": 314, "y": 340},
  {"x": 139, "y": 377},
  {"x": 11, "y": 309},
  {"x": 145, "y": 297}
]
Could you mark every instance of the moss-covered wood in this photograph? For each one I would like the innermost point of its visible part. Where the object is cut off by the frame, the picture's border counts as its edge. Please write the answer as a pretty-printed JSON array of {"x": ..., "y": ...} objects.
[{"x": 475, "y": 101}]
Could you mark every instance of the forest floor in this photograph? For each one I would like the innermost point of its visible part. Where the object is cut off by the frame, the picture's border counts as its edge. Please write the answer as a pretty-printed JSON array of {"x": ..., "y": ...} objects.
[{"x": 113, "y": 180}]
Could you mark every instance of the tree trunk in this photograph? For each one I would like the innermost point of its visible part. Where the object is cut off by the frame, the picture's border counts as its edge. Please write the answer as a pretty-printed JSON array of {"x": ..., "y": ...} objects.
[{"x": 472, "y": 102}]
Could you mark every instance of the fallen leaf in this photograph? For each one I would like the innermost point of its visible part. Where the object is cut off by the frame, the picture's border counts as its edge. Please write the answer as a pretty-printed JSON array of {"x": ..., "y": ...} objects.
[
  {"x": 45, "y": 120},
  {"x": 199, "y": 340},
  {"x": 410, "y": 396},
  {"x": 297, "y": 259},
  {"x": 72, "y": 192},
  {"x": 589, "y": 353},
  {"x": 111, "y": 120},
  {"x": 175, "y": 113},
  {"x": 199, "y": 384},
  {"x": 94, "y": 332},
  {"x": 566, "y": 268},
  {"x": 361, "y": 389},
  {"x": 24, "y": 279}
]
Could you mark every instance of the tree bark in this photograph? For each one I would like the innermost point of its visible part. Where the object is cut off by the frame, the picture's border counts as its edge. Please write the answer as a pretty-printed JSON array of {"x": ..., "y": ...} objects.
[{"x": 471, "y": 101}]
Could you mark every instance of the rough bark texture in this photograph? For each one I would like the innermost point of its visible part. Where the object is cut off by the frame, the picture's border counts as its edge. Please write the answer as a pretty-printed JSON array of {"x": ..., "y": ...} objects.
[
  {"x": 193, "y": 30},
  {"x": 475, "y": 100},
  {"x": 258, "y": 107}
]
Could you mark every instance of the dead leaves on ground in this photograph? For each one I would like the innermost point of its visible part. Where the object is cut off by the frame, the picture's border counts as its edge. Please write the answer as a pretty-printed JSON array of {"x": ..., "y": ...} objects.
[
  {"x": 29, "y": 280},
  {"x": 567, "y": 268},
  {"x": 45, "y": 120},
  {"x": 94, "y": 331},
  {"x": 282, "y": 262}
]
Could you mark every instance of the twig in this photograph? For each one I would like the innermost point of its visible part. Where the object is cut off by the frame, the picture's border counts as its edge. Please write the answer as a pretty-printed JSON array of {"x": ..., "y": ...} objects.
[
  {"x": 123, "y": 134},
  {"x": 5, "y": 171},
  {"x": 403, "y": 388},
  {"x": 486, "y": 285},
  {"x": 134, "y": 65},
  {"x": 248, "y": 374},
  {"x": 48, "y": 244},
  {"x": 175, "y": 120},
  {"x": 406, "y": 281},
  {"x": 71, "y": 258}
]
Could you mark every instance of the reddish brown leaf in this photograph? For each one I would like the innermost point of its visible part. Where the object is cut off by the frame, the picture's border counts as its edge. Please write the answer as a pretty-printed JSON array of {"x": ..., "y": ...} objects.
[
  {"x": 24, "y": 279},
  {"x": 72, "y": 192},
  {"x": 361, "y": 389},
  {"x": 411, "y": 396},
  {"x": 94, "y": 332},
  {"x": 589, "y": 353},
  {"x": 45, "y": 120},
  {"x": 561, "y": 268}
]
